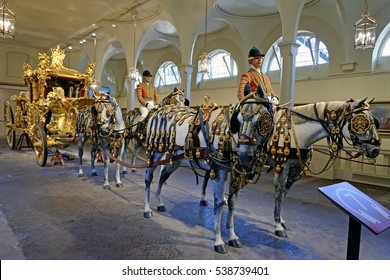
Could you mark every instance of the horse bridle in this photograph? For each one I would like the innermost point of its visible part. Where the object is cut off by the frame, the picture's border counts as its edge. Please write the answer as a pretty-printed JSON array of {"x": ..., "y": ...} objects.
[
  {"x": 264, "y": 123},
  {"x": 359, "y": 124},
  {"x": 334, "y": 122},
  {"x": 111, "y": 106},
  {"x": 263, "y": 127}
]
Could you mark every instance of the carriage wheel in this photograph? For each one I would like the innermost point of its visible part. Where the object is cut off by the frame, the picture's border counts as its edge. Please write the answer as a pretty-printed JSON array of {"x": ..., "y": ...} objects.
[
  {"x": 9, "y": 122},
  {"x": 40, "y": 144}
]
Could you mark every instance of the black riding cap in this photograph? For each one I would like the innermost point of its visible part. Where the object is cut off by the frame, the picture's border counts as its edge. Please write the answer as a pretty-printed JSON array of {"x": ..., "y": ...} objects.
[
  {"x": 253, "y": 52},
  {"x": 147, "y": 73}
]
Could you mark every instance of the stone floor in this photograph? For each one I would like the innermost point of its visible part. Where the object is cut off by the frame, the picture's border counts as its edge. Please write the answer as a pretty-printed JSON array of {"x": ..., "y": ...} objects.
[{"x": 49, "y": 213}]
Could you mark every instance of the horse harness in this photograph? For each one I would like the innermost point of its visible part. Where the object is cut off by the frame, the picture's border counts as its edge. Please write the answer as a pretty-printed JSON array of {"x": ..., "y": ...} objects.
[
  {"x": 162, "y": 132},
  {"x": 280, "y": 154}
]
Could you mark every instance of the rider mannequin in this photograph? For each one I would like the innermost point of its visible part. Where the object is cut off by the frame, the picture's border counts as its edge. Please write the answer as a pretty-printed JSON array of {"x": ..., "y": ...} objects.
[
  {"x": 147, "y": 95},
  {"x": 254, "y": 76}
]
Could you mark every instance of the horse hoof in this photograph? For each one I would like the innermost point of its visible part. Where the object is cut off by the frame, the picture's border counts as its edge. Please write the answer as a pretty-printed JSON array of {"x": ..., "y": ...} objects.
[
  {"x": 106, "y": 188},
  {"x": 148, "y": 214},
  {"x": 119, "y": 185},
  {"x": 235, "y": 243},
  {"x": 220, "y": 249},
  {"x": 284, "y": 225},
  {"x": 81, "y": 175},
  {"x": 133, "y": 171},
  {"x": 224, "y": 203},
  {"x": 124, "y": 172},
  {"x": 94, "y": 174},
  {"x": 161, "y": 208},
  {"x": 280, "y": 233},
  {"x": 203, "y": 203}
]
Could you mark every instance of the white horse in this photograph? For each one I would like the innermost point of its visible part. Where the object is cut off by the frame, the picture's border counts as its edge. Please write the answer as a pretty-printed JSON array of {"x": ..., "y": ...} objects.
[
  {"x": 84, "y": 129},
  {"x": 204, "y": 138},
  {"x": 108, "y": 136},
  {"x": 297, "y": 129},
  {"x": 131, "y": 119}
]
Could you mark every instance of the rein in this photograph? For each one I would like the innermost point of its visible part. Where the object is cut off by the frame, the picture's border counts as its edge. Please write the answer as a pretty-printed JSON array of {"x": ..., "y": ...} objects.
[{"x": 144, "y": 165}]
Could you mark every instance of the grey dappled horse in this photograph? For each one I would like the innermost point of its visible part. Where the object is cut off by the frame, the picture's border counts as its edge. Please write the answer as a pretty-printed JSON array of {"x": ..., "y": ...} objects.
[
  {"x": 296, "y": 129},
  {"x": 203, "y": 137},
  {"x": 107, "y": 130}
]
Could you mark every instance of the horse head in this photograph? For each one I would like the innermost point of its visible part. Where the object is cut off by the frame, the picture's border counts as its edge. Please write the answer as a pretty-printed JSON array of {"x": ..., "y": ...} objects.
[
  {"x": 254, "y": 125},
  {"x": 362, "y": 128},
  {"x": 108, "y": 115},
  {"x": 174, "y": 98}
]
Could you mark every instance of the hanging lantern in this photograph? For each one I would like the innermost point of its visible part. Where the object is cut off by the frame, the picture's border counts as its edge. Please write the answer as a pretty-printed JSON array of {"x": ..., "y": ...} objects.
[
  {"x": 365, "y": 31},
  {"x": 204, "y": 63},
  {"x": 133, "y": 71},
  {"x": 204, "y": 59},
  {"x": 133, "y": 74},
  {"x": 7, "y": 22}
]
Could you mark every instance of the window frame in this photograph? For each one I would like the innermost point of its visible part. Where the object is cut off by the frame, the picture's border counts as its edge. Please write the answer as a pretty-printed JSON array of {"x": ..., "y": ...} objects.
[
  {"x": 314, "y": 51},
  {"x": 161, "y": 75},
  {"x": 231, "y": 70}
]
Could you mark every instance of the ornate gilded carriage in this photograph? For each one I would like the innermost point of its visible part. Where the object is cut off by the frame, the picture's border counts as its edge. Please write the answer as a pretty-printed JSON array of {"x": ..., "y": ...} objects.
[{"x": 46, "y": 115}]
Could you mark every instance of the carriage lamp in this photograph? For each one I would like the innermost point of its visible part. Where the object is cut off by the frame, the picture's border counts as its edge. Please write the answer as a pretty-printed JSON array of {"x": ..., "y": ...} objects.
[
  {"x": 7, "y": 22},
  {"x": 365, "y": 31}
]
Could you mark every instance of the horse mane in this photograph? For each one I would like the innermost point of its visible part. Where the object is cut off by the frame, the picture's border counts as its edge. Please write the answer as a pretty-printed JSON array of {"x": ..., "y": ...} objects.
[{"x": 308, "y": 110}]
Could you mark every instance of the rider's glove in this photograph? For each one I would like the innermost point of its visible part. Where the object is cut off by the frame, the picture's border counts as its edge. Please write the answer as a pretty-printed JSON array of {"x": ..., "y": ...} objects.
[{"x": 149, "y": 105}]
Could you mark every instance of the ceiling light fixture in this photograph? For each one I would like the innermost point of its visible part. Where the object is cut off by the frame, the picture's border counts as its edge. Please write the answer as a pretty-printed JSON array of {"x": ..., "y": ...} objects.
[
  {"x": 95, "y": 85},
  {"x": 365, "y": 30},
  {"x": 204, "y": 60},
  {"x": 7, "y": 22}
]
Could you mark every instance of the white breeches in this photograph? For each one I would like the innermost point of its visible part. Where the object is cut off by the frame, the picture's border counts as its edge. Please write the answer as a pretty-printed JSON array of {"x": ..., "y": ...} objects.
[{"x": 144, "y": 111}]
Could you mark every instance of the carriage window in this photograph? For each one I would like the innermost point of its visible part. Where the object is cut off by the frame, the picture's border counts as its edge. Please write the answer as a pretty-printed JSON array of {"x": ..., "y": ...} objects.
[
  {"x": 222, "y": 65},
  {"x": 167, "y": 74},
  {"x": 312, "y": 51}
]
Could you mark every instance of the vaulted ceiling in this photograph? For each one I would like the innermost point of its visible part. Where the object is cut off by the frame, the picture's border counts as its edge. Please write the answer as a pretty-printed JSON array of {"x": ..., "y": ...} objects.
[{"x": 41, "y": 24}]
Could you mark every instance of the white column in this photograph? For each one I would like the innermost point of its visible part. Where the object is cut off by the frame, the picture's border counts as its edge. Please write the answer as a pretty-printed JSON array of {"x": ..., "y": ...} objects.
[
  {"x": 288, "y": 52},
  {"x": 132, "y": 95}
]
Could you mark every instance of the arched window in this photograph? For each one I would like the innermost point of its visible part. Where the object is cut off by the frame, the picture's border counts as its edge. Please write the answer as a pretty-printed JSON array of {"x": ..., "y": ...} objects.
[
  {"x": 222, "y": 65},
  {"x": 386, "y": 47},
  {"x": 381, "y": 54},
  {"x": 167, "y": 74},
  {"x": 312, "y": 51}
]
